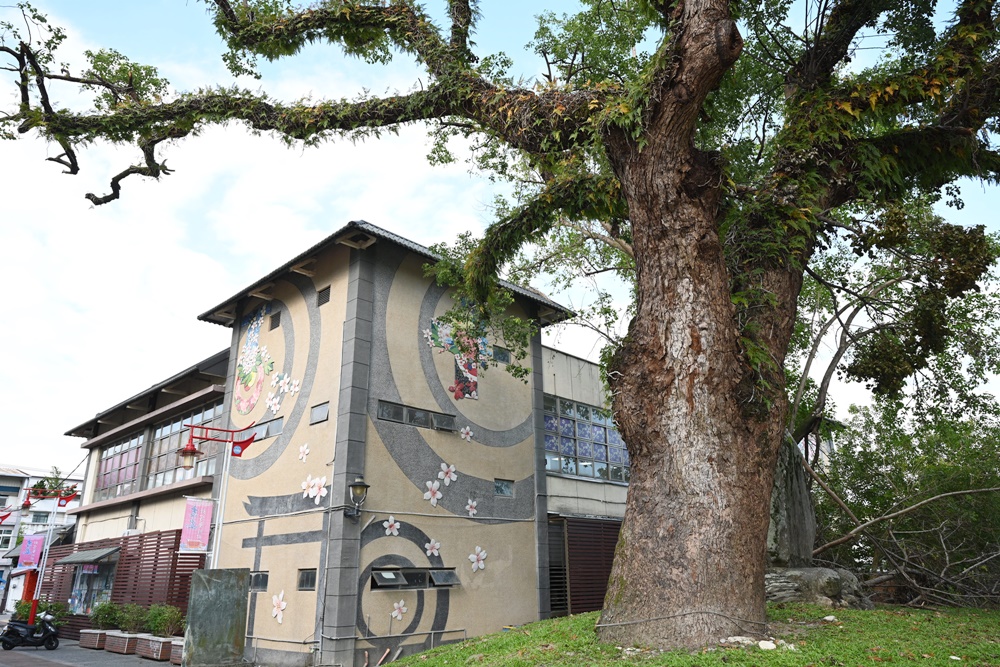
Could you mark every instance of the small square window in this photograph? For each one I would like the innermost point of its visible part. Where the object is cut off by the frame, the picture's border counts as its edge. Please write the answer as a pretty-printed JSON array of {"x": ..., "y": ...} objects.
[
  {"x": 390, "y": 411},
  {"x": 418, "y": 417},
  {"x": 307, "y": 580},
  {"x": 501, "y": 355},
  {"x": 275, "y": 321},
  {"x": 258, "y": 581},
  {"x": 274, "y": 427},
  {"x": 503, "y": 487},
  {"x": 443, "y": 422},
  {"x": 444, "y": 578},
  {"x": 387, "y": 579},
  {"x": 319, "y": 413}
]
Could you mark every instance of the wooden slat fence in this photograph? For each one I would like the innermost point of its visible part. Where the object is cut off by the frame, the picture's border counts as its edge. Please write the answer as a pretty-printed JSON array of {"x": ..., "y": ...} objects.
[{"x": 150, "y": 571}]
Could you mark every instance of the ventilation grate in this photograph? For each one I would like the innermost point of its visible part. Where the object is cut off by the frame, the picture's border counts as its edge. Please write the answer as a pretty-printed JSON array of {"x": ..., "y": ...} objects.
[
  {"x": 323, "y": 296},
  {"x": 275, "y": 321}
]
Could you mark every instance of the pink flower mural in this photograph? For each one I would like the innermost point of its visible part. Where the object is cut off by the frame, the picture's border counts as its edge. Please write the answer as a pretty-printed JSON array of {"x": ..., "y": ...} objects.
[
  {"x": 433, "y": 547},
  {"x": 478, "y": 559},
  {"x": 471, "y": 507},
  {"x": 466, "y": 433},
  {"x": 279, "y": 605},
  {"x": 391, "y": 526},
  {"x": 433, "y": 494},
  {"x": 447, "y": 474},
  {"x": 398, "y": 610}
]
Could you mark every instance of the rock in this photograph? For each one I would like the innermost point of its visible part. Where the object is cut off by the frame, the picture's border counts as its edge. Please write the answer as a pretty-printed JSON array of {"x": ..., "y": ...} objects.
[
  {"x": 737, "y": 641},
  {"x": 830, "y": 619},
  {"x": 816, "y": 585},
  {"x": 766, "y": 645}
]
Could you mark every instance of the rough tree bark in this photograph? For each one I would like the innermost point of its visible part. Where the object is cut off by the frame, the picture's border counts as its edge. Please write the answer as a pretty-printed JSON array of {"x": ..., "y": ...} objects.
[{"x": 704, "y": 458}]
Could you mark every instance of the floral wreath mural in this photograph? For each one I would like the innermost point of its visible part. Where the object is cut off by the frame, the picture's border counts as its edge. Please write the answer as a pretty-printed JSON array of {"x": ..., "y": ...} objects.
[
  {"x": 470, "y": 354},
  {"x": 253, "y": 364}
]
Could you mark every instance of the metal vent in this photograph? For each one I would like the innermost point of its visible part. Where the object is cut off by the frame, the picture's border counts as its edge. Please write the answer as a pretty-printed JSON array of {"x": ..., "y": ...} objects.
[
  {"x": 323, "y": 296},
  {"x": 275, "y": 320}
]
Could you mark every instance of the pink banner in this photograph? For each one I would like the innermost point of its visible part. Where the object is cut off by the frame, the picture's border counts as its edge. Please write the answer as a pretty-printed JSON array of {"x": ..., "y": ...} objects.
[
  {"x": 31, "y": 550},
  {"x": 197, "y": 523}
]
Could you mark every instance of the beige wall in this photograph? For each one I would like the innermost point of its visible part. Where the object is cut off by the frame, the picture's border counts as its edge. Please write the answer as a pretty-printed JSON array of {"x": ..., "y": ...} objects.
[{"x": 287, "y": 474}]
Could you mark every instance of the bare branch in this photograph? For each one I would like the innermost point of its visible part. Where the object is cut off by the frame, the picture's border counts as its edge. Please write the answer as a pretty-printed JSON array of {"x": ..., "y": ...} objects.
[{"x": 854, "y": 533}]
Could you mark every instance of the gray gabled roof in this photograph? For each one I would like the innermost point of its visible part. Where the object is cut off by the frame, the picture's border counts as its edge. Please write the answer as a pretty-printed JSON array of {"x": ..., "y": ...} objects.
[{"x": 353, "y": 234}]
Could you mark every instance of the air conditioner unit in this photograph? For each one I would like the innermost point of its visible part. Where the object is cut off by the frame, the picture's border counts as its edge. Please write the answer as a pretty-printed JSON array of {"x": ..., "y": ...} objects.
[{"x": 130, "y": 531}]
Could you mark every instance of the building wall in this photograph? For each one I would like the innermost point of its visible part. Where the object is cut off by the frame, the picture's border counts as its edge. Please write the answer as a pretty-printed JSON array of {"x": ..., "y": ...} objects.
[
  {"x": 410, "y": 367},
  {"x": 576, "y": 379},
  {"x": 278, "y": 499}
]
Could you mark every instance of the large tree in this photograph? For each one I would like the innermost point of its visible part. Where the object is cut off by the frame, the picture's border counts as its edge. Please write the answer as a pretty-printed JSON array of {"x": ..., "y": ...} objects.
[{"x": 719, "y": 175}]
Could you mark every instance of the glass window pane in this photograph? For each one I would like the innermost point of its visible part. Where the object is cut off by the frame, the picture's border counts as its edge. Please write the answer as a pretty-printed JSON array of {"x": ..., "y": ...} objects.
[
  {"x": 319, "y": 413},
  {"x": 567, "y": 446},
  {"x": 567, "y": 427},
  {"x": 600, "y": 470},
  {"x": 582, "y": 412},
  {"x": 549, "y": 403},
  {"x": 566, "y": 408},
  {"x": 617, "y": 474},
  {"x": 569, "y": 465},
  {"x": 551, "y": 423},
  {"x": 597, "y": 433},
  {"x": 418, "y": 417},
  {"x": 553, "y": 462},
  {"x": 503, "y": 487},
  {"x": 390, "y": 411},
  {"x": 585, "y": 468},
  {"x": 583, "y": 430},
  {"x": 551, "y": 443}
]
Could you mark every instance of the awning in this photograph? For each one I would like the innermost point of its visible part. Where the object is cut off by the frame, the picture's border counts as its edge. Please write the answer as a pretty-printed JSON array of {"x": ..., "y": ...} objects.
[{"x": 88, "y": 556}]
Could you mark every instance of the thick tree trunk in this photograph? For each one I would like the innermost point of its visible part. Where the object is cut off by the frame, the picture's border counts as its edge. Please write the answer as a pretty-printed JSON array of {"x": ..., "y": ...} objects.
[{"x": 689, "y": 567}]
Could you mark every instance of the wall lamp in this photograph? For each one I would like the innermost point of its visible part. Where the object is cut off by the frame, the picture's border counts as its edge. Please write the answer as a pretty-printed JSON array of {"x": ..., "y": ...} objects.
[{"x": 359, "y": 491}]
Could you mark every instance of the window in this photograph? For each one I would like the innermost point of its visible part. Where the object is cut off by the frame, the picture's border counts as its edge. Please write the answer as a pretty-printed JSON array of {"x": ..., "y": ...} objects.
[
  {"x": 501, "y": 355},
  {"x": 323, "y": 296},
  {"x": 391, "y": 578},
  {"x": 319, "y": 413},
  {"x": 118, "y": 472},
  {"x": 6, "y": 537},
  {"x": 275, "y": 321},
  {"x": 582, "y": 440},
  {"x": 503, "y": 487},
  {"x": 171, "y": 435},
  {"x": 39, "y": 517},
  {"x": 258, "y": 581},
  {"x": 265, "y": 429},
  {"x": 307, "y": 580},
  {"x": 404, "y": 414}
]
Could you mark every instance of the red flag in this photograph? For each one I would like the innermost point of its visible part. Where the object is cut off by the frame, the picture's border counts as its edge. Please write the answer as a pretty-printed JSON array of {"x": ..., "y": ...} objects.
[
  {"x": 64, "y": 500},
  {"x": 239, "y": 446},
  {"x": 3, "y": 517}
]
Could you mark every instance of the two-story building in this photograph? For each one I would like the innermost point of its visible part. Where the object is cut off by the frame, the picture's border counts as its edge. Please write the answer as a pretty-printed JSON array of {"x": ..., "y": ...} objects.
[{"x": 492, "y": 501}]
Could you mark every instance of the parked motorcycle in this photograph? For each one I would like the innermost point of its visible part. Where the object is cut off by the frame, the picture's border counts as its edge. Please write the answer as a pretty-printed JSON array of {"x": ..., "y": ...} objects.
[{"x": 19, "y": 633}]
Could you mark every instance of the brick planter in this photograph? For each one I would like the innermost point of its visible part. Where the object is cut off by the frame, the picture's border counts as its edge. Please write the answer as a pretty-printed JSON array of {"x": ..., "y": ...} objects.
[
  {"x": 121, "y": 642},
  {"x": 176, "y": 651},
  {"x": 154, "y": 648},
  {"x": 93, "y": 638}
]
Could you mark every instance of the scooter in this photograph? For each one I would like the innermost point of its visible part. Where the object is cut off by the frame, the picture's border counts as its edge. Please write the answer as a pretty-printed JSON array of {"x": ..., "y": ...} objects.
[{"x": 19, "y": 633}]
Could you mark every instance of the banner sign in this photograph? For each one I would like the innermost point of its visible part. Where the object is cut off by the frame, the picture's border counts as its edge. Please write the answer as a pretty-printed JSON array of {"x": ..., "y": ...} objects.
[
  {"x": 197, "y": 524},
  {"x": 31, "y": 550}
]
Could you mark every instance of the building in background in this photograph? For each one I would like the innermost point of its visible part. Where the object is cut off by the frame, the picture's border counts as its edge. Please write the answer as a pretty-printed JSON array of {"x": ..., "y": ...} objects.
[
  {"x": 491, "y": 500},
  {"x": 48, "y": 509}
]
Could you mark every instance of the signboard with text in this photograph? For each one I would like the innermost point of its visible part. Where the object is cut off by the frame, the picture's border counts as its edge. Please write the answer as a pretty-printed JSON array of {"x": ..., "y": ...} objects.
[{"x": 197, "y": 524}]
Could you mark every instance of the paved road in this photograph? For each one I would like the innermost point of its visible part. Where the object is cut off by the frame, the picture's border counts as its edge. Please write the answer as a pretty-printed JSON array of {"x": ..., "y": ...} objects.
[{"x": 69, "y": 653}]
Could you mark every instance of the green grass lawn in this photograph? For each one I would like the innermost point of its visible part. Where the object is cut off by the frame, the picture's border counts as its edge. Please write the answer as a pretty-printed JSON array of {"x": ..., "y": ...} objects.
[{"x": 884, "y": 635}]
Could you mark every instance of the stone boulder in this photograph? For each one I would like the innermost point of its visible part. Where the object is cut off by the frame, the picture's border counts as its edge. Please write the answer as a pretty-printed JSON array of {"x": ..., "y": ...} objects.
[{"x": 829, "y": 587}]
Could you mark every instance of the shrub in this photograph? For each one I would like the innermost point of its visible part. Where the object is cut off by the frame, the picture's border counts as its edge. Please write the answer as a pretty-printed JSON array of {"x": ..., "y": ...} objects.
[
  {"x": 105, "y": 615},
  {"x": 133, "y": 618},
  {"x": 22, "y": 610},
  {"x": 165, "y": 620}
]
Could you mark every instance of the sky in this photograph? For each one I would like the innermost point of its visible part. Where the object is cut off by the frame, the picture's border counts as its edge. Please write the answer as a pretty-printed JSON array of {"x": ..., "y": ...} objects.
[{"x": 102, "y": 302}]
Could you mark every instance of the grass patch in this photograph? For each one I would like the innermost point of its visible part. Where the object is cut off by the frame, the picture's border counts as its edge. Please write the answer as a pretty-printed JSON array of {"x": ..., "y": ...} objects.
[{"x": 857, "y": 638}]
